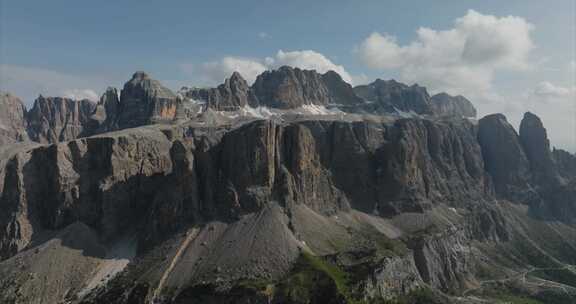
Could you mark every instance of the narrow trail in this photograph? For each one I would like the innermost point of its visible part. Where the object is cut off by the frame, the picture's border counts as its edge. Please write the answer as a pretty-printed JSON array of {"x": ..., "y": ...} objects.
[
  {"x": 190, "y": 236},
  {"x": 522, "y": 276}
]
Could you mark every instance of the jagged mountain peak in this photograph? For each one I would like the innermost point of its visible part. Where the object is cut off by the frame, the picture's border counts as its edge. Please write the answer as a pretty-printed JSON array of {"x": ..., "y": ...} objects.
[
  {"x": 447, "y": 105},
  {"x": 333, "y": 74},
  {"x": 140, "y": 75},
  {"x": 533, "y": 134},
  {"x": 235, "y": 77},
  {"x": 12, "y": 119},
  {"x": 288, "y": 87},
  {"x": 534, "y": 139},
  {"x": 141, "y": 83},
  {"x": 391, "y": 96},
  {"x": 54, "y": 119}
]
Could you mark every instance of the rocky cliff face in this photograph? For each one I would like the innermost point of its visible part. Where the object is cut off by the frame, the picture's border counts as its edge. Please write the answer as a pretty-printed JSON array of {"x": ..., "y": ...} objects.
[
  {"x": 285, "y": 88},
  {"x": 54, "y": 119},
  {"x": 232, "y": 95},
  {"x": 157, "y": 182},
  {"x": 522, "y": 166},
  {"x": 565, "y": 162},
  {"x": 389, "y": 96},
  {"x": 446, "y": 105},
  {"x": 405, "y": 198},
  {"x": 12, "y": 119},
  {"x": 144, "y": 100},
  {"x": 105, "y": 116},
  {"x": 537, "y": 147},
  {"x": 341, "y": 92},
  {"x": 559, "y": 194},
  {"x": 288, "y": 87},
  {"x": 505, "y": 159}
]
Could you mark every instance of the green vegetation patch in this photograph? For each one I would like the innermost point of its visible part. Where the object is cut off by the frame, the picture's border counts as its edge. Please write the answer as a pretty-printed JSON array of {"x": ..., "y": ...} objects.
[
  {"x": 312, "y": 280},
  {"x": 384, "y": 246}
]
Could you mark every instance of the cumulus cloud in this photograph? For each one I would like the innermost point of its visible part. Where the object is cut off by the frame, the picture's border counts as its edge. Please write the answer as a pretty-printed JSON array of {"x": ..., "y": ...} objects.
[
  {"x": 80, "y": 94},
  {"x": 460, "y": 60},
  {"x": 28, "y": 82},
  {"x": 217, "y": 71},
  {"x": 309, "y": 60},
  {"x": 549, "y": 90},
  {"x": 556, "y": 106},
  {"x": 250, "y": 68},
  {"x": 263, "y": 35}
]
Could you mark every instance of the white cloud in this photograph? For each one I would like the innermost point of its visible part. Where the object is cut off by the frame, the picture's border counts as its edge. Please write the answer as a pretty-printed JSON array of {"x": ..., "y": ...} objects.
[
  {"x": 460, "y": 60},
  {"x": 549, "y": 90},
  {"x": 216, "y": 71},
  {"x": 556, "y": 106},
  {"x": 28, "y": 82},
  {"x": 79, "y": 94},
  {"x": 360, "y": 79},
  {"x": 263, "y": 35},
  {"x": 309, "y": 60}
]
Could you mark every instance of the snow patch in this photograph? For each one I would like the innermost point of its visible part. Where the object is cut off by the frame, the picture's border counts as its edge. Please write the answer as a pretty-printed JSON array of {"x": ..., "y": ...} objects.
[
  {"x": 404, "y": 114},
  {"x": 266, "y": 112}
]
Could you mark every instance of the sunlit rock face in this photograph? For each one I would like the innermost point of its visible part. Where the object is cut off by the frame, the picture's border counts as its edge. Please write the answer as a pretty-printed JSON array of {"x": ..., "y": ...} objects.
[
  {"x": 144, "y": 100},
  {"x": 232, "y": 95},
  {"x": 289, "y": 87},
  {"x": 447, "y": 105},
  {"x": 54, "y": 119},
  {"x": 12, "y": 119},
  {"x": 390, "y": 96}
]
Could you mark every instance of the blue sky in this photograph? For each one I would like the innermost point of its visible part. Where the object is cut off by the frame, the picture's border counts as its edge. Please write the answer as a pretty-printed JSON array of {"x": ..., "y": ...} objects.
[{"x": 74, "y": 47}]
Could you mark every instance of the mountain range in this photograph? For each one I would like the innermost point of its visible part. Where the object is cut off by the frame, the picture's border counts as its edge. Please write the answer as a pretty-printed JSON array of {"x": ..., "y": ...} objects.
[{"x": 298, "y": 188}]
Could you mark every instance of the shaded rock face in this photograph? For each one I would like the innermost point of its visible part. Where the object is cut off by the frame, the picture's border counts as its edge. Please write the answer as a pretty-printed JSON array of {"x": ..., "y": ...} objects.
[
  {"x": 54, "y": 119},
  {"x": 395, "y": 276},
  {"x": 559, "y": 194},
  {"x": 104, "y": 117},
  {"x": 523, "y": 169},
  {"x": 289, "y": 87},
  {"x": 102, "y": 180},
  {"x": 504, "y": 158},
  {"x": 565, "y": 163},
  {"x": 94, "y": 181},
  {"x": 537, "y": 147},
  {"x": 432, "y": 162},
  {"x": 340, "y": 91},
  {"x": 261, "y": 174},
  {"x": 446, "y": 105},
  {"x": 445, "y": 262},
  {"x": 389, "y": 96},
  {"x": 12, "y": 119},
  {"x": 145, "y": 101},
  {"x": 232, "y": 95},
  {"x": 268, "y": 191}
]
